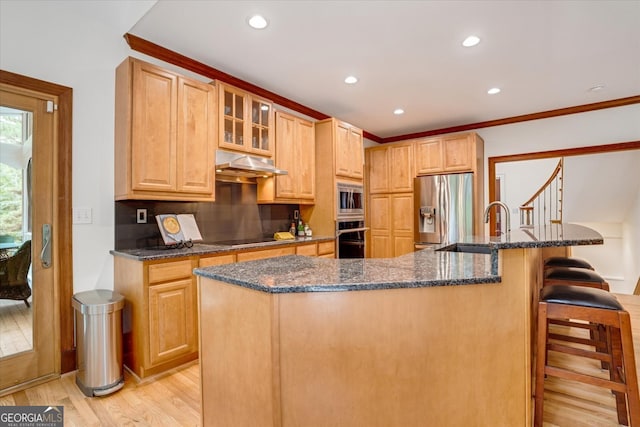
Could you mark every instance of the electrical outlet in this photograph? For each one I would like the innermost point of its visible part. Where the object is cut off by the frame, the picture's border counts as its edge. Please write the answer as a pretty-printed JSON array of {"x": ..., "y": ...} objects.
[{"x": 141, "y": 216}]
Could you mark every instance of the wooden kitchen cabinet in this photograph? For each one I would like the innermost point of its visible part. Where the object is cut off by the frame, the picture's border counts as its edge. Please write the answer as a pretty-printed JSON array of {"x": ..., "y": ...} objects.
[
  {"x": 428, "y": 158},
  {"x": 161, "y": 320},
  {"x": 339, "y": 158},
  {"x": 452, "y": 153},
  {"x": 348, "y": 150},
  {"x": 343, "y": 144},
  {"x": 390, "y": 168},
  {"x": 391, "y": 223},
  {"x": 295, "y": 153},
  {"x": 165, "y": 129},
  {"x": 265, "y": 253},
  {"x": 246, "y": 121}
]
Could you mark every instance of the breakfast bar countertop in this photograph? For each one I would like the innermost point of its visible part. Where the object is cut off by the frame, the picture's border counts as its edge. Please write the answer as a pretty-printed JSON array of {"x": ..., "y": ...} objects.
[{"x": 437, "y": 266}]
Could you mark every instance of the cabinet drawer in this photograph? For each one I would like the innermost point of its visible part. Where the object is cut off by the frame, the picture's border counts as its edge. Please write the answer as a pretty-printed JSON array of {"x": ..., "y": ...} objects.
[
  {"x": 308, "y": 250},
  {"x": 331, "y": 255},
  {"x": 268, "y": 253},
  {"x": 217, "y": 260},
  {"x": 169, "y": 271},
  {"x": 325, "y": 248}
]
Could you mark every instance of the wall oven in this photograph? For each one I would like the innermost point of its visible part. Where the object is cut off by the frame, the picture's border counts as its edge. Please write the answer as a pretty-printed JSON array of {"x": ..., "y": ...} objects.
[
  {"x": 350, "y": 201},
  {"x": 350, "y": 238}
]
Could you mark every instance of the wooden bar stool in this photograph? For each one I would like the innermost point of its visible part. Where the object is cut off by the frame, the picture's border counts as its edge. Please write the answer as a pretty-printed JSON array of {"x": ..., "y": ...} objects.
[
  {"x": 566, "y": 261},
  {"x": 592, "y": 306},
  {"x": 574, "y": 276}
]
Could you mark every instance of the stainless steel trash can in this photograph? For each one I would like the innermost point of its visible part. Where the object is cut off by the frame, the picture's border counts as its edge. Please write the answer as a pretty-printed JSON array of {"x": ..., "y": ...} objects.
[{"x": 98, "y": 322}]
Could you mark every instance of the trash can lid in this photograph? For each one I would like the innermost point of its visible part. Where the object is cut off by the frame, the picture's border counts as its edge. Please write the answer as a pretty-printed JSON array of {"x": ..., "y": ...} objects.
[{"x": 98, "y": 301}]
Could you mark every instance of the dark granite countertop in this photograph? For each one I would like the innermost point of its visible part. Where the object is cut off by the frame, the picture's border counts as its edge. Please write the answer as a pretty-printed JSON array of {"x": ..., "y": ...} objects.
[
  {"x": 201, "y": 249},
  {"x": 427, "y": 267}
]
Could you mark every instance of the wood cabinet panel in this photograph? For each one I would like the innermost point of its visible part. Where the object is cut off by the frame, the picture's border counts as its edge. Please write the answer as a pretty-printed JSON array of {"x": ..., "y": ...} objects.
[
  {"x": 391, "y": 222},
  {"x": 378, "y": 169},
  {"x": 458, "y": 153},
  {"x": 245, "y": 121},
  {"x": 327, "y": 248},
  {"x": 172, "y": 270},
  {"x": 390, "y": 168},
  {"x": 428, "y": 156},
  {"x": 195, "y": 135},
  {"x": 402, "y": 213},
  {"x": 266, "y": 253},
  {"x": 295, "y": 153},
  {"x": 306, "y": 170},
  {"x": 380, "y": 246},
  {"x": 348, "y": 151},
  {"x": 216, "y": 260},
  {"x": 380, "y": 214},
  {"x": 401, "y": 168},
  {"x": 172, "y": 322},
  {"x": 153, "y": 147},
  {"x": 308, "y": 250},
  {"x": 164, "y": 135}
]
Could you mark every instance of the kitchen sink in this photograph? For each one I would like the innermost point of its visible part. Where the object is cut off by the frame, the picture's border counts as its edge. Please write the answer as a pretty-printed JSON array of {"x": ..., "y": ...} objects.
[{"x": 465, "y": 247}]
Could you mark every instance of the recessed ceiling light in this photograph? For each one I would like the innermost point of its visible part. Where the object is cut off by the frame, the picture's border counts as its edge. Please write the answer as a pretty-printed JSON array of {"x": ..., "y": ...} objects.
[
  {"x": 398, "y": 111},
  {"x": 596, "y": 88},
  {"x": 493, "y": 90},
  {"x": 471, "y": 41},
  {"x": 258, "y": 22},
  {"x": 351, "y": 80}
]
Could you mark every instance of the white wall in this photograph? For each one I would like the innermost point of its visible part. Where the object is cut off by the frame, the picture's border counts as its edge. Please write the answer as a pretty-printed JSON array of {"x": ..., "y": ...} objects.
[
  {"x": 79, "y": 44},
  {"x": 600, "y": 127},
  {"x": 631, "y": 246}
]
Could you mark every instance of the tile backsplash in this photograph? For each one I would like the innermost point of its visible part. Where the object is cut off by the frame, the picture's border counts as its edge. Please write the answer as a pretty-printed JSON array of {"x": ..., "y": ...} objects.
[{"x": 234, "y": 215}]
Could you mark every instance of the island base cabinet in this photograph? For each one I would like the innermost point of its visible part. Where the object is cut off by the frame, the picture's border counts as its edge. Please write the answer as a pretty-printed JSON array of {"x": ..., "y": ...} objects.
[{"x": 442, "y": 355}]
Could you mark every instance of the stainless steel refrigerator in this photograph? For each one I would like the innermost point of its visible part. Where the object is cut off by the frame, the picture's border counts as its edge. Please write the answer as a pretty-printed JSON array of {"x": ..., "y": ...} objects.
[{"x": 443, "y": 208}]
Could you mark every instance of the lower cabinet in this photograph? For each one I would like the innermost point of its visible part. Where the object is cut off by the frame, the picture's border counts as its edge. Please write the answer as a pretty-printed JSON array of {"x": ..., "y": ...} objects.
[
  {"x": 160, "y": 327},
  {"x": 172, "y": 321},
  {"x": 391, "y": 223}
]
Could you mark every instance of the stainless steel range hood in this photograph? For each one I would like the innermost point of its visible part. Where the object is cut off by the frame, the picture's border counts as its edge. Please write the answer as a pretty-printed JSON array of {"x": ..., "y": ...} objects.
[{"x": 238, "y": 167}]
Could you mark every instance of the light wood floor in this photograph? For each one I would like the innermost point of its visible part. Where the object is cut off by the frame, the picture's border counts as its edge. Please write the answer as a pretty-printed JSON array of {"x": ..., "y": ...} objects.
[
  {"x": 15, "y": 327},
  {"x": 173, "y": 398}
]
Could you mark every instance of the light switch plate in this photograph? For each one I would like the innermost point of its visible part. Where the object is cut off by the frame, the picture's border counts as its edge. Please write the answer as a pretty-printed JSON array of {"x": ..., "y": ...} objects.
[{"x": 82, "y": 216}]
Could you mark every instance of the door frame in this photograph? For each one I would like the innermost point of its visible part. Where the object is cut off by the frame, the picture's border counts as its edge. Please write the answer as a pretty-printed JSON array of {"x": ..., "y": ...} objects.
[
  {"x": 62, "y": 203},
  {"x": 565, "y": 152}
]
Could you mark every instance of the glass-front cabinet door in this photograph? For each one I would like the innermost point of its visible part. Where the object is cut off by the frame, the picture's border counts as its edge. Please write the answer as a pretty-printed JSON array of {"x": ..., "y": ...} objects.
[
  {"x": 246, "y": 122},
  {"x": 260, "y": 125},
  {"x": 232, "y": 114}
]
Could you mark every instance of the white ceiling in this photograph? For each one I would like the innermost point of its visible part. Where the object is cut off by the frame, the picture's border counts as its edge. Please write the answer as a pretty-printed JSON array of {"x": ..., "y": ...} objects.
[{"x": 544, "y": 55}]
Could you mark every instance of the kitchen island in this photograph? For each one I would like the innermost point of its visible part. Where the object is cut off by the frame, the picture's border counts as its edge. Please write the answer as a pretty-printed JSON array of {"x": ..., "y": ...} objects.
[{"x": 429, "y": 338}]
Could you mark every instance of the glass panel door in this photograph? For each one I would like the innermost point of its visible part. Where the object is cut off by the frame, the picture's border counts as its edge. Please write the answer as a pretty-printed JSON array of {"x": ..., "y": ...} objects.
[{"x": 16, "y": 334}]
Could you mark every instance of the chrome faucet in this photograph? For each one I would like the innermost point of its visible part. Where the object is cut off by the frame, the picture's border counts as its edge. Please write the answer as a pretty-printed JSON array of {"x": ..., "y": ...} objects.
[{"x": 506, "y": 209}]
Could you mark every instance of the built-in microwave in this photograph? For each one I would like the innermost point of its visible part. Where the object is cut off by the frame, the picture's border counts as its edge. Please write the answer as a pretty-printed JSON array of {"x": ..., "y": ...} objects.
[{"x": 350, "y": 200}]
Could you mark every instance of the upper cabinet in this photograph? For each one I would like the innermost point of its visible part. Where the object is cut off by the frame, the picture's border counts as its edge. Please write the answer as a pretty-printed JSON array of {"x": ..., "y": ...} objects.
[
  {"x": 345, "y": 142},
  {"x": 165, "y": 129},
  {"x": 246, "y": 121},
  {"x": 390, "y": 168},
  {"x": 295, "y": 153},
  {"x": 452, "y": 153}
]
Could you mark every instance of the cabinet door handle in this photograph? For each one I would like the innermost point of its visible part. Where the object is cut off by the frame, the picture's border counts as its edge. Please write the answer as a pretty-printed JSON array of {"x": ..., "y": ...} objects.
[{"x": 45, "y": 254}]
